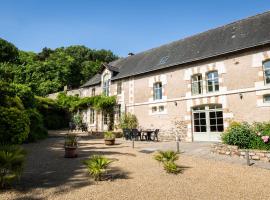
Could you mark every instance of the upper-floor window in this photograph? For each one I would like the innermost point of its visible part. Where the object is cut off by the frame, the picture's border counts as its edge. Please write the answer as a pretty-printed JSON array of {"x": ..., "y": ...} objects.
[
  {"x": 106, "y": 84},
  {"x": 157, "y": 91},
  {"x": 266, "y": 69},
  {"x": 212, "y": 81},
  {"x": 119, "y": 87},
  {"x": 266, "y": 98},
  {"x": 93, "y": 92},
  {"x": 196, "y": 84}
]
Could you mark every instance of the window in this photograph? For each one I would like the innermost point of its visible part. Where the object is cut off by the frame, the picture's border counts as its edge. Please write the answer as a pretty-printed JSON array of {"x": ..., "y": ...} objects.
[
  {"x": 92, "y": 116},
  {"x": 266, "y": 70},
  {"x": 161, "y": 108},
  {"x": 117, "y": 112},
  {"x": 154, "y": 109},
  {"x": 105, "y": 117},
  {"x": 106, "y": 84},
  {"x": 119, "y": 88},
  {"x": 93, "y": 92},
  {"x": 212, "y": 81},
  {"x": 196, "y": 84},
  {"x": 208, "y": 118},
  {"x": 266, "y": 98},
  {"x": 157, "y": 91}
]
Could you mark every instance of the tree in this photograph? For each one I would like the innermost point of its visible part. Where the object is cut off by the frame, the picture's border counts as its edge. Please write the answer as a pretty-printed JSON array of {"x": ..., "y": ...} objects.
[{"x": 8, "y": 52}]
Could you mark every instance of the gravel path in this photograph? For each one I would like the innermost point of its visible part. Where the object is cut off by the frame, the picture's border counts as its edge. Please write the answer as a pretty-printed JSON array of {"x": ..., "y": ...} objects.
[{"x": 134, "y": 175}]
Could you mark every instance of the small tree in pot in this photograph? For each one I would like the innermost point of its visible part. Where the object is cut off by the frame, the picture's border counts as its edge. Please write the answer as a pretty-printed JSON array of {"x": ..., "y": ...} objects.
[
  {"x": 109, "y": 138},
  {"x": 71, "y": 144}
]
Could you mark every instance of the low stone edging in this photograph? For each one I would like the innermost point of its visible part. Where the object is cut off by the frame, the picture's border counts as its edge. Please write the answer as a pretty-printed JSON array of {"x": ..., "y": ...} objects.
[{"x": 231, "y": 150}]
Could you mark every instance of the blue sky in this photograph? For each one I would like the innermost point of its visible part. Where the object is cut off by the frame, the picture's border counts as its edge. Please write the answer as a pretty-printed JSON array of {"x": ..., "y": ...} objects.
[{"x": 121, "y": 26}]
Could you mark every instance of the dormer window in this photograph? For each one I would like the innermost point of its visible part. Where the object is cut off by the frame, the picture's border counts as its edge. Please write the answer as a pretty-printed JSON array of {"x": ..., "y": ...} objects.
[
  {"x": 157, "y": 91},
  {"x": 106, "y": 84},
  {"x": 266, "y": 70}
]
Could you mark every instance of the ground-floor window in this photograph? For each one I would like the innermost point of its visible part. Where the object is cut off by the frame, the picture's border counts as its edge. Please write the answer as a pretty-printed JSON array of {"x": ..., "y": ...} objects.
[
  {"x": 208, "y": 118},
  {"x": 92, "y": 116},
  {"x": 117, "y": 112},
  {"x": 105, "y": 118}
]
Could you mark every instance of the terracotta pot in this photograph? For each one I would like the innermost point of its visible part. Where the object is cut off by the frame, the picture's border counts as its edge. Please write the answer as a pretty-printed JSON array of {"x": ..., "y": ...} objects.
[
  {"x": 109, "y": 141},
  {"x": 70, "y": 152}
]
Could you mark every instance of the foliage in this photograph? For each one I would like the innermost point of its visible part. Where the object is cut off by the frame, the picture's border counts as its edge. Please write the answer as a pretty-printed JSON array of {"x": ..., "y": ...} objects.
[
  {"x": 166, "y": 156},
  {"x": 128, "y": 121},
  {"x": 54, "y": 116},
  {"x": 25, "y": 94},
  {"x": 171, "y": 167},
  {"x": 97, "y": 166},
  {"x": 37, "y": 129},
  {"x": 248, "y": 136},
  {"x": 77, "y": 119},
  {"x": 11, "y": 164},
  {"x": 50, "y": 70},
  {"x": 71, "y": 140},
  {"x": 109, "y": 135},
  {"x": 14, "y": 125},
  {"x": 8, "y": 52}
]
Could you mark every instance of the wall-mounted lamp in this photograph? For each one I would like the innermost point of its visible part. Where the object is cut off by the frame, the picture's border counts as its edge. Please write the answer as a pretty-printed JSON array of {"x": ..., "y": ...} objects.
[
  {"x": 241, "y": 95},
  {"x": 175, "y": 103}
]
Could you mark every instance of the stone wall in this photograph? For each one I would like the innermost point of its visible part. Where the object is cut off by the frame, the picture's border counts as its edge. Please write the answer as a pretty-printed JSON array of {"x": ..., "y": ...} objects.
[{"x": 231, "y": 150}]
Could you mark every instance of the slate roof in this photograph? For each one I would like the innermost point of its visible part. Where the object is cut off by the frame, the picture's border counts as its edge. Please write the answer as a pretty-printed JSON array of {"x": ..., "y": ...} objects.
[
  {"x": 95, "y": 80},
  {"x": 243, "y": 34}
]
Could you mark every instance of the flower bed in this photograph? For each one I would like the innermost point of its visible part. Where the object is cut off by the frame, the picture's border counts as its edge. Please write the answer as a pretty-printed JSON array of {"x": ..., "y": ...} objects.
[{"x": 232, "y": 150}]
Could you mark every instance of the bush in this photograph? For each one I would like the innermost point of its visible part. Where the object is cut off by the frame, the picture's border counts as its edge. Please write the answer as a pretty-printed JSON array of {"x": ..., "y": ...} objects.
[
  {"x": 37, "y": 129},
  {"x": 246, "y": 136},
  {"x": 166, "y": 156},
  {"x": 109, "y": 135},
  {"x": 14, "y": 125},
  {"x": 97, "y": 166},
  {"x": 11, "y": 164},
  {"x": 129, "y": 121},
  {"x": 239, "y": 134}
]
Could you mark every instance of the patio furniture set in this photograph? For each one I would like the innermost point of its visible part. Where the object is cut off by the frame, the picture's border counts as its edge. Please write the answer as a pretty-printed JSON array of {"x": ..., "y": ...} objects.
[{"x": 136, "y": 134}]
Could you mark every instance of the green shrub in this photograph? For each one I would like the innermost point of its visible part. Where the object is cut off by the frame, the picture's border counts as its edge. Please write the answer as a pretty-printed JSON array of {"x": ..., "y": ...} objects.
[
  {"x": 129, "y": 121},
  {"x": 37, "y": 129},
  {"x": 71, "y": 140},
  {"x": 166, "y": 156},
  {"x": 109, "y": 135},
  {"x": 25, "y": 94},
  {"x": 77, "y": 119},
  {"x": 14, "y": 125},
  {"x": 11, "y": 164},
  {"x": 97, "y": 166},
  {"x": 171, "y": 168},
  {"x": 239, "y": 134}
]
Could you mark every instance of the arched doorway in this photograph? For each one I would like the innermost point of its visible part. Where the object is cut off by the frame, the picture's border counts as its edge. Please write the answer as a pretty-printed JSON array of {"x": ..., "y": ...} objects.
[{"x": 207, "y": 122}]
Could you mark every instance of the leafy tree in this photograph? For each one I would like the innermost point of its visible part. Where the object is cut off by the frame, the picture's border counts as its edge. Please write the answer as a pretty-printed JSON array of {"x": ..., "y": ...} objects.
[{"x": 8, "y": 52}]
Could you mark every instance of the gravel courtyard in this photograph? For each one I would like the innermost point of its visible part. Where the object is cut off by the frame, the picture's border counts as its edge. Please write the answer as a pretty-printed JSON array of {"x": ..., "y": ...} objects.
[{"x": 134, "y": 174}]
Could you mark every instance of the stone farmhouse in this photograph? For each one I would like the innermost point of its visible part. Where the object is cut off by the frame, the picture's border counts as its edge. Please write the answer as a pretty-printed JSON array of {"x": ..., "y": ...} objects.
[{"x": 201, "y": 82}]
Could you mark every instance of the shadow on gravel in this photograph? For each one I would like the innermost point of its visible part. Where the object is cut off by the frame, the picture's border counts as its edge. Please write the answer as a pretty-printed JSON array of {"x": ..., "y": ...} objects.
[{"x": 46, "y": 167}]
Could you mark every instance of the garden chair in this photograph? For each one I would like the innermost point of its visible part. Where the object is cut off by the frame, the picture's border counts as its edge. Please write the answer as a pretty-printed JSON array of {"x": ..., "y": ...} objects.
[
  {"x": 136, "y": 134},
  {"x": 155, "y": 135}
]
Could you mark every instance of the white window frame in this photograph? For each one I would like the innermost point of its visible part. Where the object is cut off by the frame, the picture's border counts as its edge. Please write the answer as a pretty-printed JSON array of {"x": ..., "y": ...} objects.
[
  {"x": 106, "y": 84},
  {"x": 119, "y": 88},
  {"x": 213, "y": 80},
  {"x": 265, "y": 71},
  {"x": 92, "y": 116},
  {"x": 93, "y": 92},
  {"x": 196, "y": 84},
  {"x": 265, "y": 96},
  {"x": 157, "y": 91}
]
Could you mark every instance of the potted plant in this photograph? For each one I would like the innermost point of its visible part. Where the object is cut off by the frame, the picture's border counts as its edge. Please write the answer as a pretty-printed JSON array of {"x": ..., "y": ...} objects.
[
  {"x": 109, "y": 138},
  {"x": 71, "y": 145}
]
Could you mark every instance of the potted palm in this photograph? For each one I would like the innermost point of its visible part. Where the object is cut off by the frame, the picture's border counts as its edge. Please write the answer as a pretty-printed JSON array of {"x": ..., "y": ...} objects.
[
  {"x": 109, "y": 138},
  {"x": 71, "y": 145}
]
